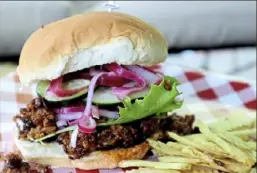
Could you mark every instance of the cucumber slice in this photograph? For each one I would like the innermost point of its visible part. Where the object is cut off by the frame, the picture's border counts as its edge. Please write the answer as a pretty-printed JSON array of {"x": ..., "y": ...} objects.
[
  {"x": 43, "y": 86},
  {"x": 104, "y": 96}
]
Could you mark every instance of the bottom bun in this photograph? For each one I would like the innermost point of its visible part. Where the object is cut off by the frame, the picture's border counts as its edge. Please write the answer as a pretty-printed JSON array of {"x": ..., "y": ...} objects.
[{"x": 54, "y": 155}]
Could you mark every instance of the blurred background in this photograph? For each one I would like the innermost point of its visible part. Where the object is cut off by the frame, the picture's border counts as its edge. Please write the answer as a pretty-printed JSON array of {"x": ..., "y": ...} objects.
[{"x": 216, "y": 36}]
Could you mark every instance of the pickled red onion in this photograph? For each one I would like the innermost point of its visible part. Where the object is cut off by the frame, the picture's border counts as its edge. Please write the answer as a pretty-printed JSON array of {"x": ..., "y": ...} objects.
[
  {"x": 74, "y": 137},
  {"x": 56, "y": 88},
  {"x": 122, "y": 92},
  {"x": 108, "y": 114},
  {"x": 70, "y": 109},
  {"x": 61, "y": 123},
  {"x": 149, "y": 76},
  {"x": 111, "y": 79},
  {"x": 75, "y": 112},
  {"x": 69, "y": 116},
  {"x": 95, "y": 112},
  {"x": 91, "y": 88},
  {"x": 86, "y": 123}
]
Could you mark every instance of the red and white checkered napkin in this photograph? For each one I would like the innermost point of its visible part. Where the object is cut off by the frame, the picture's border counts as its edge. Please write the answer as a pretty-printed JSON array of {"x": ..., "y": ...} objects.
[{"x": 195, "y": 86}]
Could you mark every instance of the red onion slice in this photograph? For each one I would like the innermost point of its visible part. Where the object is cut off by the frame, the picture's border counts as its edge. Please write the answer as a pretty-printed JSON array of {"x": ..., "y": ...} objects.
[
  {"x": 149, "y": 76},
  {"x": 122, "y": 92},
  {"x": 95, "y": 112},
  {"x": 70, "y": 109},
  {"x": 77, "y": 115},
  {"x": 69, "y": 116},
  {"x": 74, "y": 137},
  {"x": 75, "y": 122},
  {"x": 88, "y": 125},
  {"x": 130, "y": 84},
  {"x": 61, "y": 123},
  {"x": 112, "y": 80},
  {"x": 91, "y": 92},
  {"x": 75, "y": 112},
  {"x": 108, "y": 114}
]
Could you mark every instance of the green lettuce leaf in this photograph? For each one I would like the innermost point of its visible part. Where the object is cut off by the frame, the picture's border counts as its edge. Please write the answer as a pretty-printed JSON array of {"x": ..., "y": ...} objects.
[{"x": 159, "y": 100}]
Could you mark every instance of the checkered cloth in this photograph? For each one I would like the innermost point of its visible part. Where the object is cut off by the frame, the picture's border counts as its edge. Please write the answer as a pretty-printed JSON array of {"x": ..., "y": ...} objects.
[{"x": 197, "y": 87}]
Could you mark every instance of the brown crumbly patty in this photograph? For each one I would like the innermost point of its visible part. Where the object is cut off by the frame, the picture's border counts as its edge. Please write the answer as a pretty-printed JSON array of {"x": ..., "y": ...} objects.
[
  {"x": 37, "y": 121},
  {"x": 125, "y": 136},
  {"x": 13, "y": 164}
]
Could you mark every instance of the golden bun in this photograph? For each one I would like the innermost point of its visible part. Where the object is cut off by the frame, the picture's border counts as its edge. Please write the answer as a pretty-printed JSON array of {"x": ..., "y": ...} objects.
[
  {"x": 54, "y": 155},
  {"x": 86, "y": 40}
]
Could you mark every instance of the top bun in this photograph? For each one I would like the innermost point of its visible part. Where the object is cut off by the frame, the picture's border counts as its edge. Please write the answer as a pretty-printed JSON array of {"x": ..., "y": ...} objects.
[{"x": 87, "y": 40}]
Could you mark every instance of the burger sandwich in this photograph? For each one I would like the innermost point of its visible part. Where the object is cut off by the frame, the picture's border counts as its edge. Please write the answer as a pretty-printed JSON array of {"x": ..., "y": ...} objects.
[{"x": 100, "y": 95}]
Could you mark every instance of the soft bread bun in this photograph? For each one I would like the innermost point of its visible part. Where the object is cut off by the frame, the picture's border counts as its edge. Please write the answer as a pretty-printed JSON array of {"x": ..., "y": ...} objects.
[
  {"x": 87, "y": 40},
  {"x": 54, "y": 155}
]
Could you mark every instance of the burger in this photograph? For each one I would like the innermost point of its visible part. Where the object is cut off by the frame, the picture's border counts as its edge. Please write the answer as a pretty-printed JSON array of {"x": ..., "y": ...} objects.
[{"x": 100, "y": 93}]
